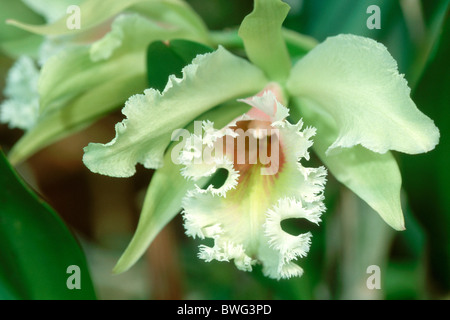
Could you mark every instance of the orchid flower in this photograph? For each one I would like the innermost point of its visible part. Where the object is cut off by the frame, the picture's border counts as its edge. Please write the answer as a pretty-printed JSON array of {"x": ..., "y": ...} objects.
[
  {"x": 243, "y": 215},
  {"x": 344, "y": 99},
  {"x": 75, "y": 76},
  {"x": 21, "y": 108},
  {"x": 347, "y": 90}
]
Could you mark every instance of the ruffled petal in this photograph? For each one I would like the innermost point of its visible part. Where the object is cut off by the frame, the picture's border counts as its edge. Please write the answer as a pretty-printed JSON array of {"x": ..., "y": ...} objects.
[
  {"x": 356, "y": 81},
  {"x": 166, "y": 191},
  {"x": 374, "y": 177},
  {"x": 286, "y": 247},
  {"x": 21, "y": 108},
  {"x": 211, "y": 79},
  {"x": 74, "y": 90}
]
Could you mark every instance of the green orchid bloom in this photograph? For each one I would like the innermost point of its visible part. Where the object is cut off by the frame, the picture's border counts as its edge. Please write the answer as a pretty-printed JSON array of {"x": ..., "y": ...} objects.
[
  {"x": 348, "y": 92},
  {"x": 75, "y": 76},
  {"x": 21, "y": 106},
  {"x": 344, "y": 100}
]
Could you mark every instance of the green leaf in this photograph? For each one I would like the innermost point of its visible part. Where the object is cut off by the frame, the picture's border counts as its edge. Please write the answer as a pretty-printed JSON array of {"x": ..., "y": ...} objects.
[
  {"x": 167, "y": 58},
  {"x": 374, "y": 177},
  {"x": 355, "y": 80},
  {"x": 427, "y": 178},
  {"x": 263, "y": 38},
  {"x": 143, "y": 137},
  {"x": 430, "y": 41},
  {"x": 167, "y": 189},
  {"x": 36, "y": 248}
]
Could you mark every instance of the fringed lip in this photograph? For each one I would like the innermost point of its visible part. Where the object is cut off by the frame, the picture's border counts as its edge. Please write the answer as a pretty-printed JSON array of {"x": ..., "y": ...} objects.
[{"x": 243, "y": 216}]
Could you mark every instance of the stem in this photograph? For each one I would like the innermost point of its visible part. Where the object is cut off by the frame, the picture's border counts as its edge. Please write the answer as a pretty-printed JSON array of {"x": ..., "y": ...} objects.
[
  {"x": 227, "y": 38},
  {"x": 366, "y": 241},
  {"x": 296, "y": 42}
]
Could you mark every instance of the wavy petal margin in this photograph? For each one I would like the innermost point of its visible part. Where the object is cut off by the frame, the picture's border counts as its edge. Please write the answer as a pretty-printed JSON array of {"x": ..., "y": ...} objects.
[
  {"x": 143, "y": 137},
  {"x": 164, "y": 195},
  {"x": 374, "y": 177},
  {"x": 356, "y": 81}
]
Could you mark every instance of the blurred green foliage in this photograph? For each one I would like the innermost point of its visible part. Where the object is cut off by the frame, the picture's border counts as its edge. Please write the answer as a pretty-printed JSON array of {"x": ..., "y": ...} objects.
[{"x": 36, "y": 248}]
